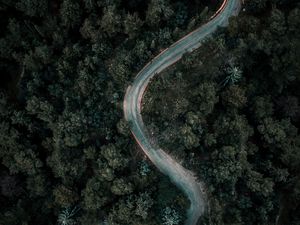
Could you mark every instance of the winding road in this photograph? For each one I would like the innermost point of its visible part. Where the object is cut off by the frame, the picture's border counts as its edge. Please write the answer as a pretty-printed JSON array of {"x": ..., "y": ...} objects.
[{"x": 183, "y": 178}]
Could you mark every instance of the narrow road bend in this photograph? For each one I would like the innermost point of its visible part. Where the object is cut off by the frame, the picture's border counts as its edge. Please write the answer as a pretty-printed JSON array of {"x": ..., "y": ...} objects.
[{"x": 183, "y": 178}]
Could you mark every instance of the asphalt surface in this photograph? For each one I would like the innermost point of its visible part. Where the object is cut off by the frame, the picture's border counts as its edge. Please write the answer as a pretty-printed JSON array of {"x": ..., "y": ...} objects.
[{"x": 183, "y": 178}]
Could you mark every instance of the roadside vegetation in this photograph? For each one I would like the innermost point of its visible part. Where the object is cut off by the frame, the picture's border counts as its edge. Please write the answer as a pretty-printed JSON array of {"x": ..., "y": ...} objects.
[
  {"x": 230, "y": 111},
  {"x": 66, "y": 153}
]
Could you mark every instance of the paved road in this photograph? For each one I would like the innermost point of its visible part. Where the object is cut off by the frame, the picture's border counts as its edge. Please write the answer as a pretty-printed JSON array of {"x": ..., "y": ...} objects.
[{"x": 183, "y": 178}]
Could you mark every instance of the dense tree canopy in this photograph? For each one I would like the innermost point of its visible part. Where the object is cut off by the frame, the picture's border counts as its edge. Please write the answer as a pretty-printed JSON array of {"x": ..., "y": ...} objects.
[
  {"x": 239, "y": 128},
  {"x": 229, "y": 111},
  {"x": 65, "y": 148}
]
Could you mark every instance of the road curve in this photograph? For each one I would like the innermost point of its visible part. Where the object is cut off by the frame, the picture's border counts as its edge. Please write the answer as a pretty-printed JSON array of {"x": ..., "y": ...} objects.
[{"x": 183, "y": 178}]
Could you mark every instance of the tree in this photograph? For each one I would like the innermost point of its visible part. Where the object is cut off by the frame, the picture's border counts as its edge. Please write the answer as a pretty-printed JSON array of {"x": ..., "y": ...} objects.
[
  {"x": 113, "y": 156},
  {"x": 15, "y": 215},
  {"x": 95, "y": 195},
  {"x": 170, "y": 216},
  {"x": 262, "y": 107},
  {"x": 119, "y": 68},
  {"x": 158, "y": 10},
  {"x": 123, "y": 127},
  {"x": 164, "y": 37},
  {"x": 289, "y": 107},
  {"x": 90, "y": 5},
  {"x": 132, "y": 25},
  {"x": 41, "y": 109},
  {"x": 228, "y": 165},
  {"x": 111, "y": 20},
  {"x": 37, "y": 185},
  {"x": 293, "y": 20},
  {"x": 144, "y": 168},
  {"x": 206, "y": 97},
  {"x": 89, "y": 30},
  {"x": 66, "y": 163},
  {"x": 143, "y": 203},
  {"x": 234, "y": 74},
  {"x": 105, "y": 171},
  {"x": 291, "y": 154},
  {"x": 10, "y": 186},
  {"x": 277, "y": 22},
  {"x": 121, "y": 187},
  {"x": 66, "y": 217},
  {"x": 256, "y": 5},
  {"x": 141, "y": 52},
  {"x": 258, "y": 184},
  {"x": 70, "y": 12},
  {"x": 276, "y": 132},
  {"x": 234, "y": 97},
  {"x": 65, "y": 196},
  {"x": 190, "y": 140},
  {"x": 33, "y": 7},
  {"x": 122, "y": 212},
  {"x": 192, "y": 119},
  {"x": 233, "y": 130}
]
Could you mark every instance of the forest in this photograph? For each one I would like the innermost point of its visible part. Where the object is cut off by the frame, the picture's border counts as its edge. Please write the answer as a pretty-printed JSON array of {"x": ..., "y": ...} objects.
[{"x": 230, "y": 111}]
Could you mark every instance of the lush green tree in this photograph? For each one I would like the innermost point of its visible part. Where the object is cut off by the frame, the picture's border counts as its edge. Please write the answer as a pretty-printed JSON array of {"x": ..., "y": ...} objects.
[
  {"x": 65, "y": 196},
  {"x": 262, "y": 107},
  {"x": 234, "y": 74},
  {"x": 275, "y": 132},
  {"x": 33, "y": 7},
  {"x": 277, "y": 22},
  {"x": 113, "y": 156},
  {"x": 205, "y": 95},
  {"x": 121, "y": 187},
  {"x": 190, "y": 140},
  {"x": 95, "y": 195},
  {"x": 234, "y": 97},
  {"x": 66, "y": 217},
  {"x": 65, "y": 66},
  {"x": 229, "y": 164},
  {"x": 158, "y": 10},
  {"x": 170, "y": 216},
  {"x": 236, "y": 129},
  {"x": 143, "y": 203},
  {"x": 111, "y": 20},
  {"x": 70, "y": 13},
  {"x": 132, "y": 25}
]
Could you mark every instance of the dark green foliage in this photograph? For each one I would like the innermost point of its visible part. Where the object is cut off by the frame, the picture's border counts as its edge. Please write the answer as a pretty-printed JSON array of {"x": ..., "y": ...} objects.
[
  {"x": 240, "y": 126},
  {"x": 229, "y": 111},
  {"x": 70, "y": 13},
  {"x": 65, "y": 66},
  {"x": 33, "y": 7}
]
